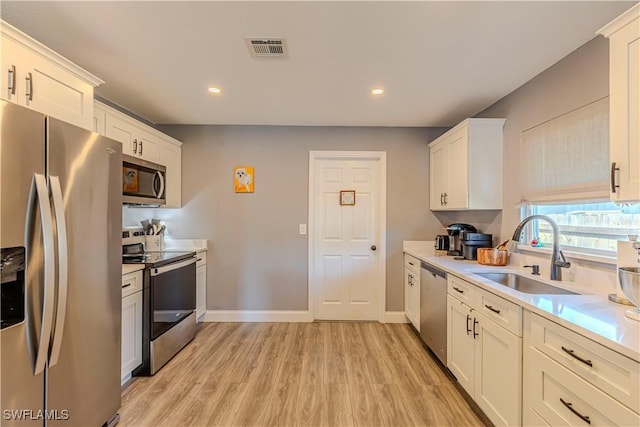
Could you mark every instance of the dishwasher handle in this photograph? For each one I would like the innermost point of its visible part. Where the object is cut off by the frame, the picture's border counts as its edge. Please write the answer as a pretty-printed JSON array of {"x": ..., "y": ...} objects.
[{"x": 433, "y": 270}]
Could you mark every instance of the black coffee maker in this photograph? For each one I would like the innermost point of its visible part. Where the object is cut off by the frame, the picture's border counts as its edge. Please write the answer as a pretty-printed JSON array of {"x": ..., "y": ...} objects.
[{"x": 455, "y": 243}]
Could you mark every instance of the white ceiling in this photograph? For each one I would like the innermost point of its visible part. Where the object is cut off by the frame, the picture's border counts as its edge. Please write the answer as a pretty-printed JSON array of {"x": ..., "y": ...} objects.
[{"x": 439, "y": 62}]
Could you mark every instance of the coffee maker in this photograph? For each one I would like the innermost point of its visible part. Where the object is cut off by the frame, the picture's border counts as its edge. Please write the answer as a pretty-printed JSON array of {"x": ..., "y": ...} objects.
[{"x": 455, "y": 243}]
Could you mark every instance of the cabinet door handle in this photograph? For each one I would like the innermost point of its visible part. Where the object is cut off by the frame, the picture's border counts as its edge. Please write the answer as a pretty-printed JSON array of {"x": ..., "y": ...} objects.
[
  {"x": 496, "y": 311},
  {"x": 126, "y": 286},
  {"x": 468, "y": 327},
  {"x": 575, "y": 356},
  {"x": 141, "y": 147},
  {"x": 441, "y": 199},
  {"x": 569, "y": 406},
  {"x": 12, "y": 80},
  {"x": 460, "y": 291},
  {"x": 445, "y": 198},
  {"x": 613, "y": 177},
  {"x": 135, "y": 146},
  {"x": 475, "y": 322},
  {"x": 29, "y": 80},
  {"x": 410, "y": 263}
]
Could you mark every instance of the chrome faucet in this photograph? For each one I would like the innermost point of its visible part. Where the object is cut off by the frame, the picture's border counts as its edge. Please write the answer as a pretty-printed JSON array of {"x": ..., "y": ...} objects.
[{"x": 558, "y": 261}]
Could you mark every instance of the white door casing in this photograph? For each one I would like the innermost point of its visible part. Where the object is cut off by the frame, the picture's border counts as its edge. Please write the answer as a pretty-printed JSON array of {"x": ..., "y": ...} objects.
[{"x": 346, "y": 276}]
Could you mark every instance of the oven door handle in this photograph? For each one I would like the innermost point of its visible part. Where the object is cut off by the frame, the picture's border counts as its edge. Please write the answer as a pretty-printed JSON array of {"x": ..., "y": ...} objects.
[{"x": 174, "y": 266}]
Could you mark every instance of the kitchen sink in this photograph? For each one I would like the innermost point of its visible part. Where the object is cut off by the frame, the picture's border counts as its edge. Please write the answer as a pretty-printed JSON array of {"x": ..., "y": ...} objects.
[{"x": 524, "y": 284}]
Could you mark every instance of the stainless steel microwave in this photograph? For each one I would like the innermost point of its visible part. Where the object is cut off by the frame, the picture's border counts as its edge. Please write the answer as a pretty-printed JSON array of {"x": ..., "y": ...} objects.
[{"x": 143, "y": 182}]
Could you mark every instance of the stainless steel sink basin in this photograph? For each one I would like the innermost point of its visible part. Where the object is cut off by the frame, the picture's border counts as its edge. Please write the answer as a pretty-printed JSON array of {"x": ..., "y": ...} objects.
[{"x": 524, "y": 284}]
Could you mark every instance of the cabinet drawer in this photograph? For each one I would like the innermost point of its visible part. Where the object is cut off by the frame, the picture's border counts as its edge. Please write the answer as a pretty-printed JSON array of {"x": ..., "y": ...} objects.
[
  {"x": 201, "y": 258},
  {"x": 503, "y": 312},
  {"x": 461, "y": 290},
  {"x": 131, "y": 283},
  {"x": 611, "y": 372},
  {"x": 563, "y": 398},
  {"x": 412, "y": 263}
]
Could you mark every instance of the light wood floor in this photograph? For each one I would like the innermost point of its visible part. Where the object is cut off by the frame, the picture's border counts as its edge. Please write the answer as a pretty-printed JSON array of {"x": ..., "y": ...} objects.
[{"x": 295, "y": 374}]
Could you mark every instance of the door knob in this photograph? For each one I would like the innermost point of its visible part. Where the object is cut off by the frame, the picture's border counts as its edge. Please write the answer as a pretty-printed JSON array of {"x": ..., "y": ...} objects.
[{"x": 373, "y": 247}]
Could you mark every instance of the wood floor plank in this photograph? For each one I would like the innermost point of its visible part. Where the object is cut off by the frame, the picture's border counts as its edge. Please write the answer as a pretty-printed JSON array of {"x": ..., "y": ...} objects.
[
  {"x": 392, "y": 406},
  {"x": 282, "y": 405},
  {"x": 363, "y": 401},
  {"x": 309, "y": 405},
  {"x": 338, "y": 404},
  {"x": 307, "y": 374}
]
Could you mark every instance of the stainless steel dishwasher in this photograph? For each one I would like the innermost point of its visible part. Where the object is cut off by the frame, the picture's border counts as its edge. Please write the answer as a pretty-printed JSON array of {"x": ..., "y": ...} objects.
[{"x": 433, "y": 310}]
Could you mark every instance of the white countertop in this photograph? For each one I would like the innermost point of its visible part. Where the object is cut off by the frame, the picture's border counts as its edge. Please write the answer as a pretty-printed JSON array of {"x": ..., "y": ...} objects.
[
  {"x": 196, "y": 245},
  {"x": 588, "y": 314}
]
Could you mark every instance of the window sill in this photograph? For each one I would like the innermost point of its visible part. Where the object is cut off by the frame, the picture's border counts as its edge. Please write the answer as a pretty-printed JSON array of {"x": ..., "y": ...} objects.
[{"x": 581, "y": 256}]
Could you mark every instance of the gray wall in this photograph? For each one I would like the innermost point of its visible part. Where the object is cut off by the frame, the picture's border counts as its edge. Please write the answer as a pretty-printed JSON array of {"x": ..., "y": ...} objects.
[
  {"x": 256, "y": 259},
  {"x": 578, "y": 79}
]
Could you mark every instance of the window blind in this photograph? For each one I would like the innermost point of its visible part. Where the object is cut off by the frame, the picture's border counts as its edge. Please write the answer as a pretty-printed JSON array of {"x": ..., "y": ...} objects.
[{"x": 567, "y": 158}]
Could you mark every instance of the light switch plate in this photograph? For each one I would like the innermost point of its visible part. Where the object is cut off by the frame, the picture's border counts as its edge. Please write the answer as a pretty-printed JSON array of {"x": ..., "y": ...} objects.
[{"x": 303, "y": 229}]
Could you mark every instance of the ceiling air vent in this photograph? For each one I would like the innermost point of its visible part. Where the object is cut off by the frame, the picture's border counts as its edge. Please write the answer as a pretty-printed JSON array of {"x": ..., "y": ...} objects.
[{"x": 262, "y": 47}]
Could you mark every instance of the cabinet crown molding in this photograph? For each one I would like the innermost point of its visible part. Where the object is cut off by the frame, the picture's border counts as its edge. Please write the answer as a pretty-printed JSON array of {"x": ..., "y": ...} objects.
[
  {"x": 155, "y": 132},
  {"x": 9, "y": 31},
  {"x": 620, "y": 22},
  {"x": 466, "y": 123}
]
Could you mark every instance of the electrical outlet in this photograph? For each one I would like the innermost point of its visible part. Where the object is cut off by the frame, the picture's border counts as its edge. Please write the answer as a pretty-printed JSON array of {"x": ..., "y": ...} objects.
[{"x": 303, "y": 229}]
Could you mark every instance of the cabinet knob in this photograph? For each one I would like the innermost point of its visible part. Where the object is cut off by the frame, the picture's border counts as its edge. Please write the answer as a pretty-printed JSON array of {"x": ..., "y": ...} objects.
[{"x": 373, "y": 247}]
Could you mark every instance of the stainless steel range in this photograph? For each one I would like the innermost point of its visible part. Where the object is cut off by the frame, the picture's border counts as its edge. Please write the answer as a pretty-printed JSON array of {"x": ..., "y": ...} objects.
[{"x": 168, "y": 300}]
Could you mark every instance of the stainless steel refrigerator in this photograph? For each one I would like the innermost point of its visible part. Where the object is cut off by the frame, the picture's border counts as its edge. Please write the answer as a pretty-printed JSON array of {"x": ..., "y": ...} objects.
[{"x": 60, "y": 235}]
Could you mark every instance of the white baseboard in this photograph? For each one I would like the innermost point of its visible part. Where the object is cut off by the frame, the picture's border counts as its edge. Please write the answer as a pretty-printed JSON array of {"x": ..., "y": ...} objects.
[
  {"x": 395, "y": 317},
  {"x": 280, "y": 316},
  {"x": 257, "y": 316}
]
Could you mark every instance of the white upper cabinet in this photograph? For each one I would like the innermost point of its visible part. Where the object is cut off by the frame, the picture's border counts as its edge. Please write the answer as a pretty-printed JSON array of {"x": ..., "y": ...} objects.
[
  {"x": 145, "y": 142},
  {"x": 624, "y": 90},
  {"x": 170, "y": 155},
  {"x": 465, "y": 166},
  {"x": 135, "y": 137},
  {"x": 38, "y": 78}
]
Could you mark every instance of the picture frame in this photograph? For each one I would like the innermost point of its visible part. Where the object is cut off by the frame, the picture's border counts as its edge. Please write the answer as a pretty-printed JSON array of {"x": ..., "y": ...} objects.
[
  {"x": 347, "y": 198},
  {"x": 243, "y": 179}
]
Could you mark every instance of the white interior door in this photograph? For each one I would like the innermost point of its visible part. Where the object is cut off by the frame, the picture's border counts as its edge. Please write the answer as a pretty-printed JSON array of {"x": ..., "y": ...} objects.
[{"x": 347, "y": 265}]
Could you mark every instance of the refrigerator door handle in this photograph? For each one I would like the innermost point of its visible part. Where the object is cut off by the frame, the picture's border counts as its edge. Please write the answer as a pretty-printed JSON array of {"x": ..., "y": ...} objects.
[
  {"x": 42, "y": 194},
  {"x": 63, "y": 269}
]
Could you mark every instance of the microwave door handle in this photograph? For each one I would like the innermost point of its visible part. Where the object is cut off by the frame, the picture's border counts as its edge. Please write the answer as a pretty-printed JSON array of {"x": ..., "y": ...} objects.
[
  {"x": 159, "y": 178},
  {"x": 39, "y": 191},
  {"x": 63, "y": 270}
]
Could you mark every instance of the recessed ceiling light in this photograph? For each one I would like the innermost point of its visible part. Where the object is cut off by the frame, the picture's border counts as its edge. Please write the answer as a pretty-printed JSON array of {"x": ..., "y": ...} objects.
[
  {"x": 215, "y": 90},
  {"x": 377, "y": 91}
]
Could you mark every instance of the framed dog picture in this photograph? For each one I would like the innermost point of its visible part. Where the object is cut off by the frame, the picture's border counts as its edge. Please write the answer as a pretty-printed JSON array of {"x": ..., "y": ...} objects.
[
  {"x": 243, "y": 179},
  {"x": 130, "y": 180},
  {"x": 348, "y": 198}
]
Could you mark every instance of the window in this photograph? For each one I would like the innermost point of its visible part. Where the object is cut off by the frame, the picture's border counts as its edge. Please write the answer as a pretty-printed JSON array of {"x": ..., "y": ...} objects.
[{"x": 586, "y": 227}]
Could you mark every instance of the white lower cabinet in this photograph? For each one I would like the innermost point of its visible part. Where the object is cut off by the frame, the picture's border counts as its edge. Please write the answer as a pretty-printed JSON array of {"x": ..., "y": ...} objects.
[
  {"x": 412, "y": 290},
  {"x": 131, "y": 351},
  {"x": 483, "y": 355},
  {"x": 571, "y": 380},
  {"x": 201, "y": 285}
]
